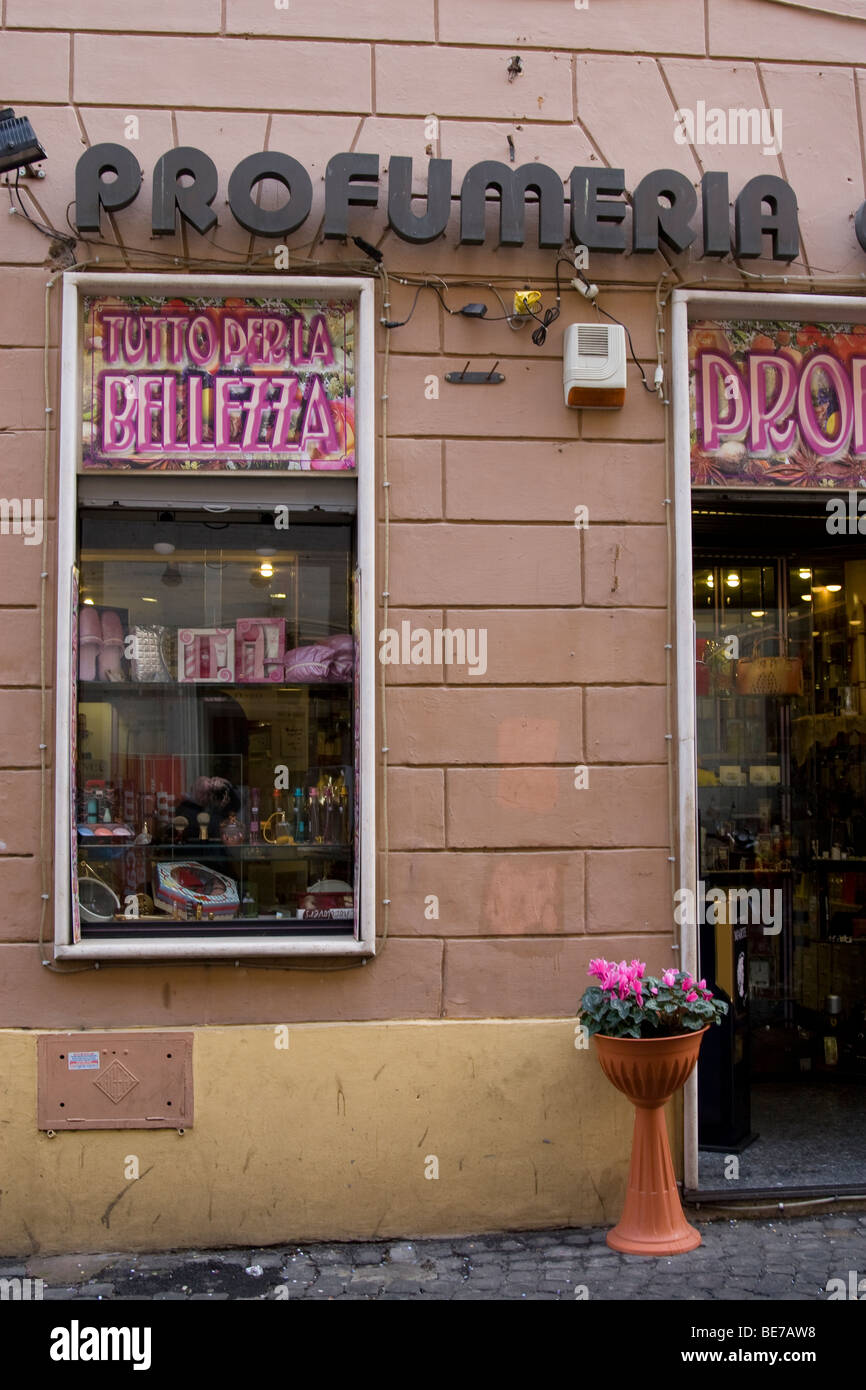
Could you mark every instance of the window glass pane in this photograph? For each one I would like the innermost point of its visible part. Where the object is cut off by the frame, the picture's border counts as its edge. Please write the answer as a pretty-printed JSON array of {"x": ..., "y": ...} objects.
[{"x": 215, "y": 781}]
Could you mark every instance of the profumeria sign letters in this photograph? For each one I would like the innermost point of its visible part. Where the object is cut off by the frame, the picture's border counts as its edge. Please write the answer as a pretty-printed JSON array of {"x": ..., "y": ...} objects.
[{"x": 108, "y": 177}]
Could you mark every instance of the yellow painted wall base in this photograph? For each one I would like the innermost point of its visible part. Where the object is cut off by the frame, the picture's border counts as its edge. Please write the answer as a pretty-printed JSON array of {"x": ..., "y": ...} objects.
[{"x": 340, "y": 1135}]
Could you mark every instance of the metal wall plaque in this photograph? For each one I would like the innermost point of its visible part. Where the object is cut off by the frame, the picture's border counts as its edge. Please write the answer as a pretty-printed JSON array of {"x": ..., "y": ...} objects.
[{"x": 114, "y": 1081}]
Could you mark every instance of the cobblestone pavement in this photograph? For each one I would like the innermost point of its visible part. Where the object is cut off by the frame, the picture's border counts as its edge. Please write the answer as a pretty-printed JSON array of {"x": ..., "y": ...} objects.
[{"x": 745, "y": 1260}]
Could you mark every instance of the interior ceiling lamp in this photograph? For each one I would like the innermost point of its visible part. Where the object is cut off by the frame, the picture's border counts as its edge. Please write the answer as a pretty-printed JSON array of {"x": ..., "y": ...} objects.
[
  {"x": 164, "y": 545},
  {"x": 19, "y": 147}
]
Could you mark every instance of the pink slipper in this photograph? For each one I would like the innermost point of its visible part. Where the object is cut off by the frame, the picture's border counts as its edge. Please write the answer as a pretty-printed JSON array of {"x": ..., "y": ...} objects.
[
  {"x": 89, "y": 642},
  {"x": 111, "y": 656}
]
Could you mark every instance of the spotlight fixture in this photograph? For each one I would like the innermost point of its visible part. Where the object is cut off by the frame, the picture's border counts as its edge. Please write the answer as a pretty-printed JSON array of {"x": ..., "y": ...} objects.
[
  {"x": 372, "y": 251},
  {"x": 19, "y": 147},
  {"x": 164, "y": 546},
  {"x": 759, "y": 612},
  {"x": 833, "y": 588},
  {"x": 733, "y": 580}
]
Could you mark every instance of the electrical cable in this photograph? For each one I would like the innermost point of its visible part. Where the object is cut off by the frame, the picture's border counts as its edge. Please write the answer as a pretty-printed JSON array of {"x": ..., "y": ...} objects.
[
  {"x": 401, "y": 323},
  {"x": 539, "y": 337},
  {"x": 634, "y": 356},
  {"x": 45, "y": 228}
]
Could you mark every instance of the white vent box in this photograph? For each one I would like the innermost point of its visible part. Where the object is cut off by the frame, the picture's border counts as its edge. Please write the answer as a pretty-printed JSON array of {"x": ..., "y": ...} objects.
[{"x": 593, "y": 366}]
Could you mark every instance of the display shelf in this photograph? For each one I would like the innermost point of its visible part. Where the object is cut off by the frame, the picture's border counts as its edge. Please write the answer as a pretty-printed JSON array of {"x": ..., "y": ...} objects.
[
  {"x": 88, "y": 690},
  {"x": 855, "y": 865},
  {"x": 253, "y": 854},
  {"x": 751, "y": 871}
]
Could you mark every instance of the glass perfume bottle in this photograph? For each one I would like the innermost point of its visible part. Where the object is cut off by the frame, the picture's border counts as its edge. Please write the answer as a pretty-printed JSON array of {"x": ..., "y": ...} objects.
[
  {"x": 299, "y": 817},
  {"x": 315, "y": 817},
  {"x": 232, "y": 831}
]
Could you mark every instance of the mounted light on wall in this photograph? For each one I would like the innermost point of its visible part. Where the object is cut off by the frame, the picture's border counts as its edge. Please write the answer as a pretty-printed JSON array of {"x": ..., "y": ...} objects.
[{"x": 19, "y": 148}]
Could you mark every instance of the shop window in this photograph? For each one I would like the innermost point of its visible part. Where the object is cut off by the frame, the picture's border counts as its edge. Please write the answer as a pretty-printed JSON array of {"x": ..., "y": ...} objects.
[{"x": 218, "y": 720}]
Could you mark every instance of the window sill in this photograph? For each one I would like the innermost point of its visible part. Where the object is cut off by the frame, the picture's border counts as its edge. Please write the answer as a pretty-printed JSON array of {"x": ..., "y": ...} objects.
[{"x": 211, "y": 948}]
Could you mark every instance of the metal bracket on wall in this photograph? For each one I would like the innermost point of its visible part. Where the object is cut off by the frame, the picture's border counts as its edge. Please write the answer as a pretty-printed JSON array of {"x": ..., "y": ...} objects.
[{"x": 467, "y": 378}]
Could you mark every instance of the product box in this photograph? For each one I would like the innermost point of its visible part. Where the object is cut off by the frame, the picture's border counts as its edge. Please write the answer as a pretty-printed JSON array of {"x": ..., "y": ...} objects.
[
  {"x": 730, "y": 776},
  {"x": 761, "y": 775},
  {"x": 184, "y": 886},
  {"x": 260, "y": 645},
  {"x": 205, "y": 654}
]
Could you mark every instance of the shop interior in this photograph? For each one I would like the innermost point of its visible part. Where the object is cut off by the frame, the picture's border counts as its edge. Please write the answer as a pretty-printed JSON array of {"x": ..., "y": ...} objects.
[
  {"x": 215, "y": 729},
  {"x": 781, "y": 907}
]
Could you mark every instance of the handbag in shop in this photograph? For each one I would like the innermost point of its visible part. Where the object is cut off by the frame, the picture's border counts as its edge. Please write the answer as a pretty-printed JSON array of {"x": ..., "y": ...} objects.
[
  {"x": 154, "y": 653},
  {"x": 769, "y": 675}
]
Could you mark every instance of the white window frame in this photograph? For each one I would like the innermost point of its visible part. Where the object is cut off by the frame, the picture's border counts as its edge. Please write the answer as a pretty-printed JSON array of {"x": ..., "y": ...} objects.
[
  {"x": 75, "y": 285},
  {"x": 686, "y": 306}
]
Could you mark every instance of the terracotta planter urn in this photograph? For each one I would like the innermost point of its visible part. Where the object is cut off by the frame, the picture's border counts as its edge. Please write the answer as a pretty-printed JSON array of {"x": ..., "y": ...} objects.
[{"x": 649, "y": 1071}]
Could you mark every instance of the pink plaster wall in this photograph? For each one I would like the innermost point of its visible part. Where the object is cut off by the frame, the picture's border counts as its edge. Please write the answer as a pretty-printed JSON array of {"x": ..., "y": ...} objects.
[{"x": 533, "y": 877}]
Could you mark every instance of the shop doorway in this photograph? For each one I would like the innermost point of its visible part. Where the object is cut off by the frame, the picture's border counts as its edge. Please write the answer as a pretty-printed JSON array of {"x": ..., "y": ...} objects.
[{"x": 780, "y": 628}]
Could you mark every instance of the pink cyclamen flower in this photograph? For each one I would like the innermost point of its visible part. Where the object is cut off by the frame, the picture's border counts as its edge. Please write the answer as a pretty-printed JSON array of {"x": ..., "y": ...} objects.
[
  {"x": 653, "y": 990},
  {"x": 690, "y": 998},
  {"x": 669, "y": 977}
]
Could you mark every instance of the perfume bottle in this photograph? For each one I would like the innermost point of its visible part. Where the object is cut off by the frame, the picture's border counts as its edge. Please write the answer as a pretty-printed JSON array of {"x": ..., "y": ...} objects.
[
  {"x": 315, "y": 817},
  {"x": 231, "y": 831},
  {"x": 326, "y": 811},
  {"x": 298, "y": 817},
  {"x": 254, "y": 816}
]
